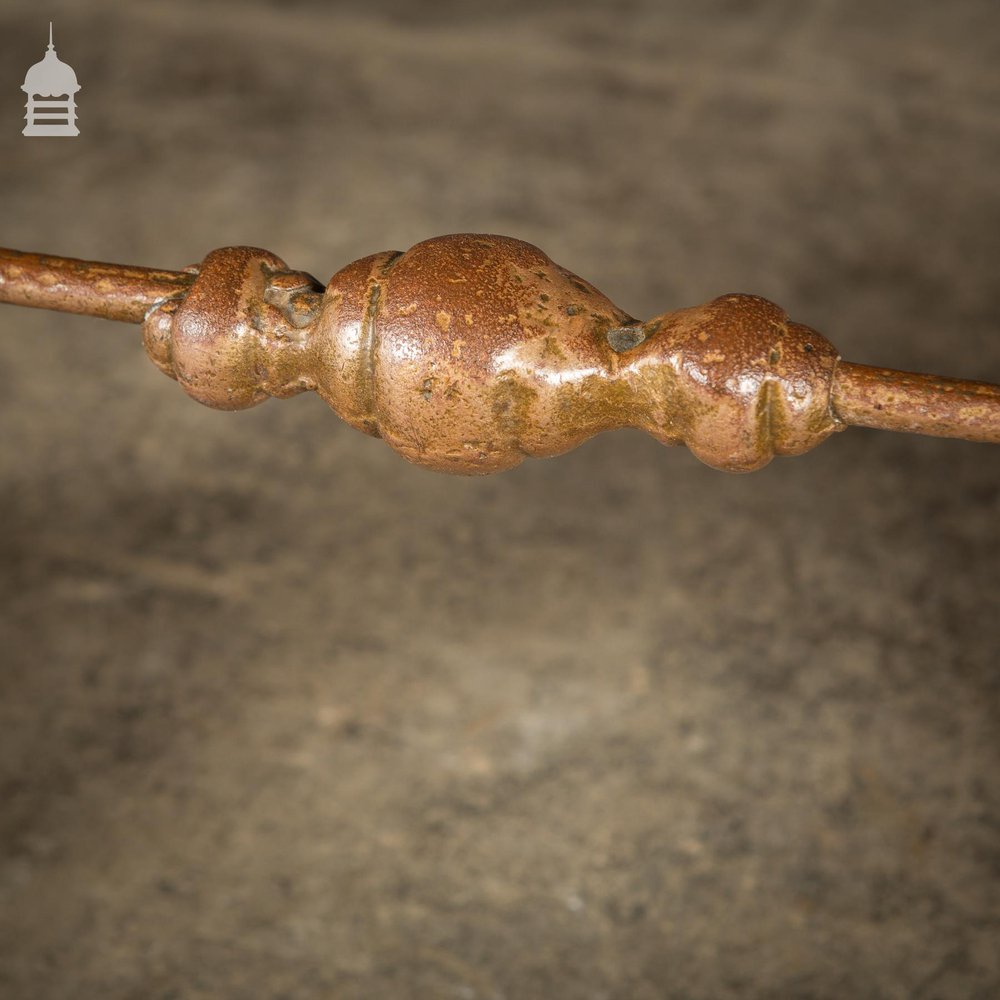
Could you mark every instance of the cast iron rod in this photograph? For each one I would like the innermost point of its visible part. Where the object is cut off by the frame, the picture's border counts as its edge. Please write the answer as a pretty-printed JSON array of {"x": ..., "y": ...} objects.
[
  {"x": 111, "y": 291},
  {"x": 469, "y": 352}
]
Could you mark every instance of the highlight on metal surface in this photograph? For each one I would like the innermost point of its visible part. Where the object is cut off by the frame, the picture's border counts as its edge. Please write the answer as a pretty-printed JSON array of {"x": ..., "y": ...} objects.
[{"x": 469, "y": 352}]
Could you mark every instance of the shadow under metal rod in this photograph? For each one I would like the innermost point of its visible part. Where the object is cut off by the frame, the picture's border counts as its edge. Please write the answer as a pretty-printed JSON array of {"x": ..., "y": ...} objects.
[{"x": 470, "y": 352}]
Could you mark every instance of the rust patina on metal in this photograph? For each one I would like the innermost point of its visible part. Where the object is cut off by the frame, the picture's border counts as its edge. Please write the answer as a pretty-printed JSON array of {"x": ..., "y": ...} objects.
[{"x": 468, "y": 353}]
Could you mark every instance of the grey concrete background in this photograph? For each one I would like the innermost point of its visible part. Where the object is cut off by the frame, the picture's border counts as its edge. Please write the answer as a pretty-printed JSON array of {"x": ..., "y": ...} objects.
[{"x": 282, "y": 716}]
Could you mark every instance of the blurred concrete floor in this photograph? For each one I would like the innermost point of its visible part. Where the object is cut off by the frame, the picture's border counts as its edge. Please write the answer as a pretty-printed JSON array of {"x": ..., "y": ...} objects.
[{"x": 284, "y": 716}]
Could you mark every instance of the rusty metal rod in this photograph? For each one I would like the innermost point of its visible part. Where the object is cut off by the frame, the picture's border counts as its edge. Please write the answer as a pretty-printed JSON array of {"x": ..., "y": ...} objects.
[
  {"x": 469, "y": 352},
  {"x": 919, "y": 404},
  {"x": 111, "y": 291}
]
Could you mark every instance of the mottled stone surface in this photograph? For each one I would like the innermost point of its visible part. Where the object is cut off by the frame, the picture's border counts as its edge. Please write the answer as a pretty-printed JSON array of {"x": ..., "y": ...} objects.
[{"x": 282, "y": 715}]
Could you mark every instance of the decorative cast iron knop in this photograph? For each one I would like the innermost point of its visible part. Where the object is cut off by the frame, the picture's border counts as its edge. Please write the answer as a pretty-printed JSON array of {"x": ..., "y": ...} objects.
[{"x": 469, "y": 352}]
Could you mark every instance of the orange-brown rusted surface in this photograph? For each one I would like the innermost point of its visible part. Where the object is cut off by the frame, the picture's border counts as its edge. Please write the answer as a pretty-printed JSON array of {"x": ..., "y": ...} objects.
[
  {"x": 112, "y": 291},
  {"x": 921, "y": 404},
  {"x": 468, "y": 353}
]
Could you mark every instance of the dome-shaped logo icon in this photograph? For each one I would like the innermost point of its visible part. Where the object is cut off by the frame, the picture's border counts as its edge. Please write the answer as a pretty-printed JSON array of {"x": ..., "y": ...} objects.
[{"x": 51, "y": 87}]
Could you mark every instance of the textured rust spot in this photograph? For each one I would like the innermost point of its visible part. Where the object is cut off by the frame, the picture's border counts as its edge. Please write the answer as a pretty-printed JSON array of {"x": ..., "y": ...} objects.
[{"x": 624, "y": 338}]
